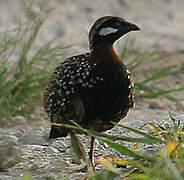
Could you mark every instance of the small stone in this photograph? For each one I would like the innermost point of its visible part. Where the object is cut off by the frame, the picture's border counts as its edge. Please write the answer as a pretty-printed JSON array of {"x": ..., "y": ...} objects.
[
  {"x": 154, "y": 105},
  {"x": 38, "y": 138},
  {"x": 9, "y": 154}
]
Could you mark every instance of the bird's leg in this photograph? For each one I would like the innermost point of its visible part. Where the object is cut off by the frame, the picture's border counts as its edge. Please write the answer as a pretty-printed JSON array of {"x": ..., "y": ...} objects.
[{"x": 91, "y": 152}]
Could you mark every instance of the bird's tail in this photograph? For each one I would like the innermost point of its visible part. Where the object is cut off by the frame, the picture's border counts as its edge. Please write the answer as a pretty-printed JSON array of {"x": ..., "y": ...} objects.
[{"x": 58, "y": 132}]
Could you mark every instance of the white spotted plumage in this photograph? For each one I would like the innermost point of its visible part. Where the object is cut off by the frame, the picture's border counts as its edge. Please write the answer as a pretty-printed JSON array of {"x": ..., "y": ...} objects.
[
  {"x": 131, "y": 88},
  {"x": 75, "y": 71}
]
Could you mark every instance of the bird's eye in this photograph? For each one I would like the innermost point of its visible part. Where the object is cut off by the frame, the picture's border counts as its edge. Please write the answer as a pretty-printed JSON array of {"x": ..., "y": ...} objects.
[{"x": 117, "y": 24}]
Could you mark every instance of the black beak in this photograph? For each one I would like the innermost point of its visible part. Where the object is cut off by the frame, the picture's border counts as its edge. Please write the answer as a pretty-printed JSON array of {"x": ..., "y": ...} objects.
[
  {"x": 131, "y": 27},
  {"x": 127, "y": 27}
]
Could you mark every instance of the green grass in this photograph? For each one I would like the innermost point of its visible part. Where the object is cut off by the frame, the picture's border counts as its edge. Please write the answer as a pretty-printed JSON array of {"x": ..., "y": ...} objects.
[
  {"x": 148, "y": 87},
  {"x": 165, "y": 161},
  {"x": 24, "y": 71}
]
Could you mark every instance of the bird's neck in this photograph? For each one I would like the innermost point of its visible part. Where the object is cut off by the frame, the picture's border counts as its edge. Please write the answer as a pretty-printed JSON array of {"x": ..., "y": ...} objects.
[{"x": 105, "y": 53}]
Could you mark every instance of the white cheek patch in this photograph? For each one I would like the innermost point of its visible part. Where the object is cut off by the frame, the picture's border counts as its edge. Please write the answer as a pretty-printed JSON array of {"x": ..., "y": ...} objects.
[{"x": 106, "y": 31}]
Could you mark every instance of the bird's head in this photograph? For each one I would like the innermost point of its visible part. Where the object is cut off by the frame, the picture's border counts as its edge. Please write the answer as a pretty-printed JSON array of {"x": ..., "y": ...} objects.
[{"x": 106, "y": 30}]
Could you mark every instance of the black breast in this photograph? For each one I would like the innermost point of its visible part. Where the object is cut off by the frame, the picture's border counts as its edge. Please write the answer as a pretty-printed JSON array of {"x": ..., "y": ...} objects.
[{"x": 109, "y": 99}]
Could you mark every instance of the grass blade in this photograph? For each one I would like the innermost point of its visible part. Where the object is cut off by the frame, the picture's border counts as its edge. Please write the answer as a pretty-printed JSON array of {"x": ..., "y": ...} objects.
[
  {"x": 162, "y": 93},
  {"x": 138, "y": 132},
  {"x": 124, "y": 150},
  {"x": 174, "y": 170},
  {"x": 162, "y": 73},
  {"x": 129, "y": 139}
]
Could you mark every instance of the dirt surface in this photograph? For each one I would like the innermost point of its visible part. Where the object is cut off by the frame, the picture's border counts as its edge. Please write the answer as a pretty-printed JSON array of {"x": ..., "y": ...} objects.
[
  {"x": 160, "y": 22},
  {"x": 162, "y": 29}
]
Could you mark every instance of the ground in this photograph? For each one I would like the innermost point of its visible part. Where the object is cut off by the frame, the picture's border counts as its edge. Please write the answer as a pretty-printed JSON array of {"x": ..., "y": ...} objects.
[{"x": 161, "y": 29}]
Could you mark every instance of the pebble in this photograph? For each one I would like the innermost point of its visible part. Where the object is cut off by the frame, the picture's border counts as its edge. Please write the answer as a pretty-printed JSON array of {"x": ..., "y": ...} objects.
[
  {"x": 154, "y": 105},
  {"x": 9, "y": 154}
]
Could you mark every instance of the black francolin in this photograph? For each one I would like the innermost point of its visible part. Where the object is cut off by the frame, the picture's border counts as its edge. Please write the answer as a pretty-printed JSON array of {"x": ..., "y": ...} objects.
[{"x": 92, "y": 88}]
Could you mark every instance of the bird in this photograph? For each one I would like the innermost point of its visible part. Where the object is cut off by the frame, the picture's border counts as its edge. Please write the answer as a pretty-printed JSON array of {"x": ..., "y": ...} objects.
[{"x": 92, "y": 88}]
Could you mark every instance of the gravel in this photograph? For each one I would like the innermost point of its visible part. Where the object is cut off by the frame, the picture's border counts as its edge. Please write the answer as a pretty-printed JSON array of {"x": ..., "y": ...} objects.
[
  {"x": 27, "y": 148},
  {"x": 45, "y": 158}
]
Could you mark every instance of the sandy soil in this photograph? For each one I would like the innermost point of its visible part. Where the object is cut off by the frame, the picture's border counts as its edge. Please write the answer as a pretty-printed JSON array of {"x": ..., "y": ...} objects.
[
  {"x": 160, "y": 21},
  {"x": 162, "y": 28}
]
